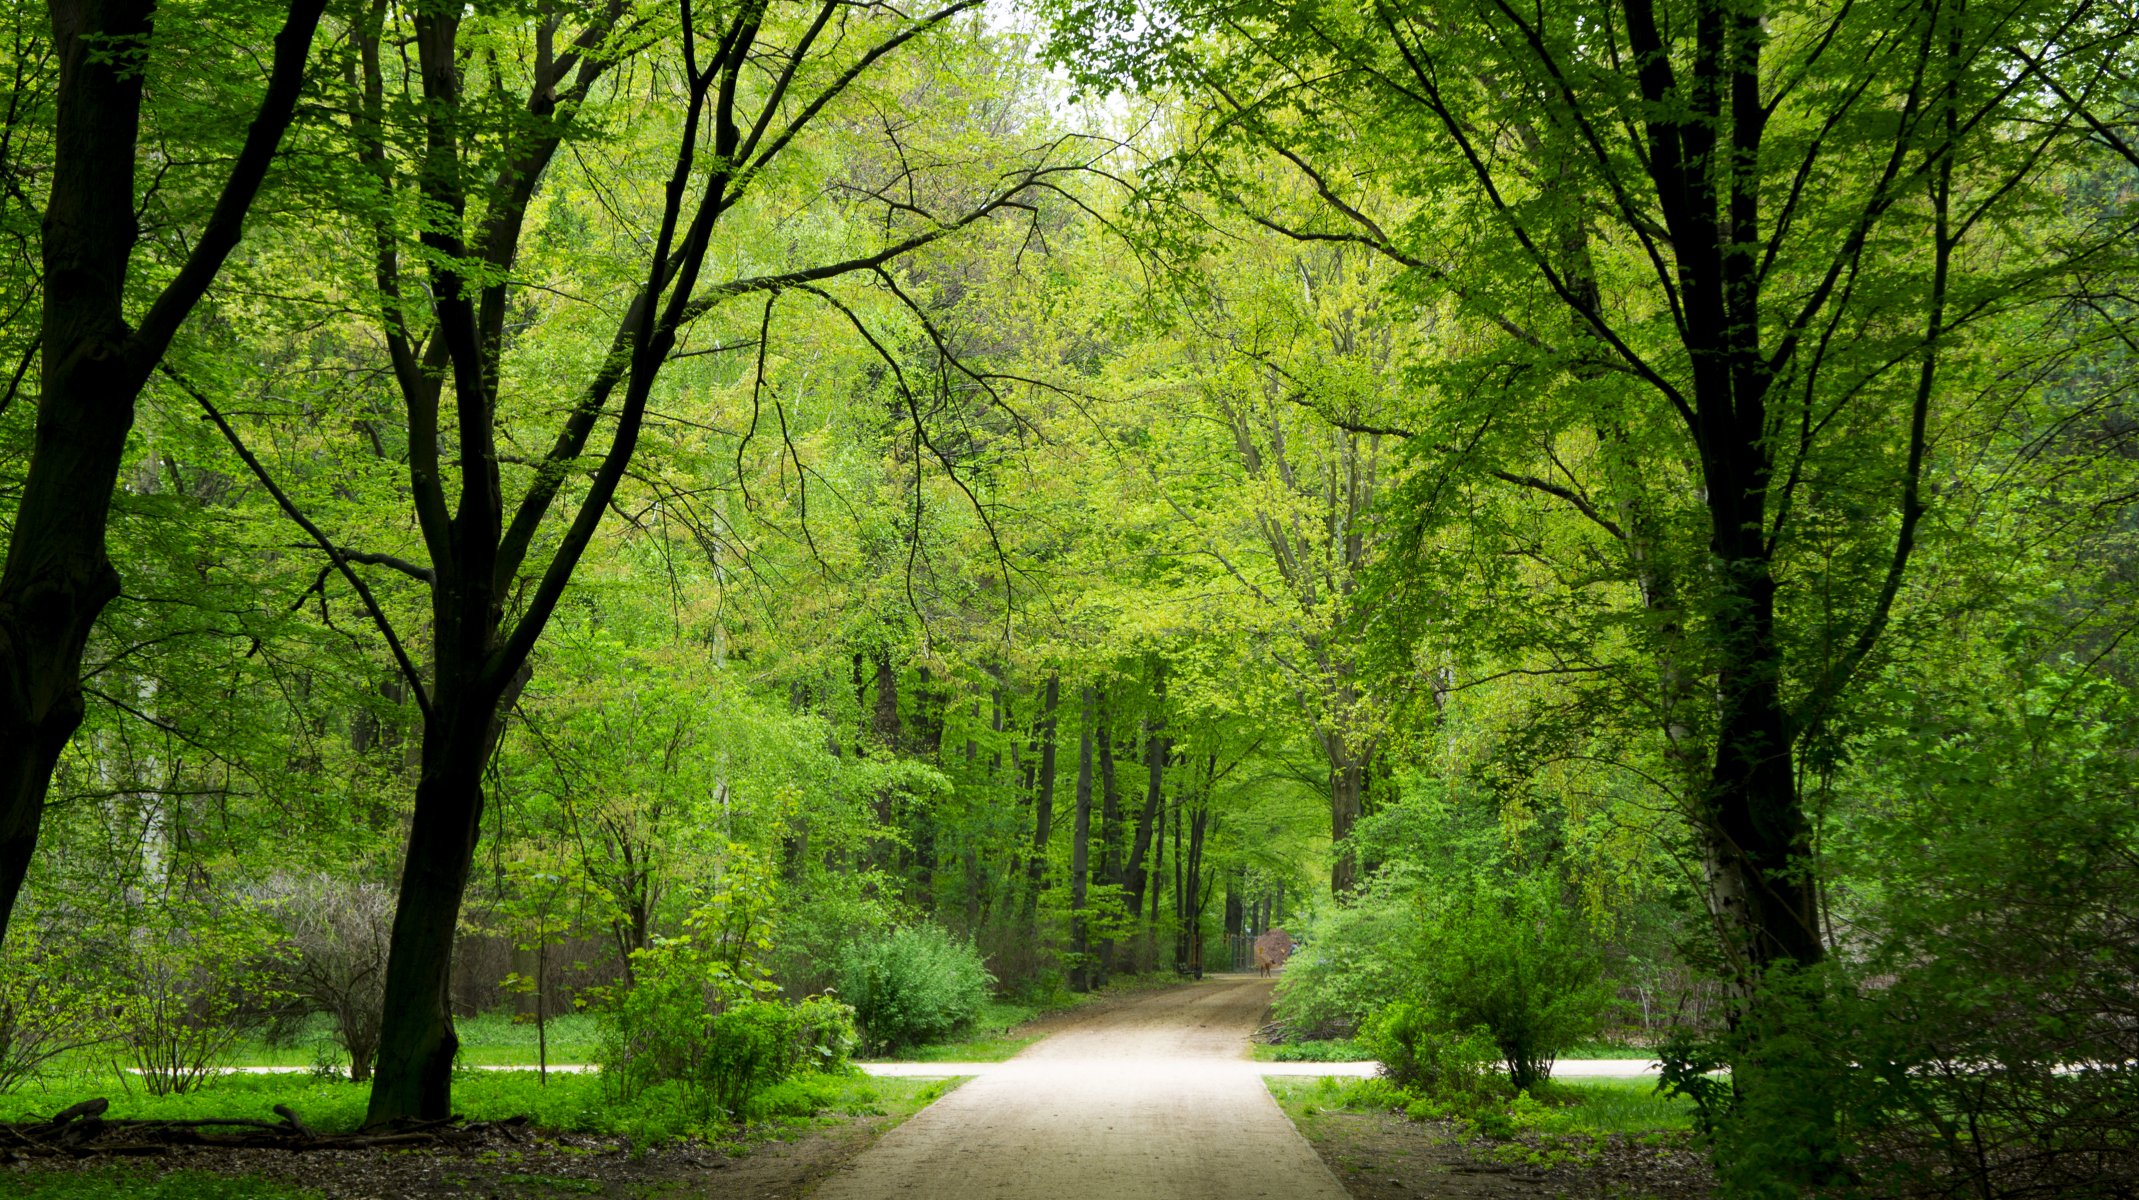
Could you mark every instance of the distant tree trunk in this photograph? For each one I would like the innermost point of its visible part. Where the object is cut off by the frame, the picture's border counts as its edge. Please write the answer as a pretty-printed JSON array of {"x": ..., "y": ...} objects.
[
  {"x": 1110, "y": 847},
  {"x": 1180, "y": 894},
  {"x": 1080, "y": 843},
  {"x": 1043, "y": 811},
  {"x": 1198, "y": 823},
  {"x": 58, "y": 576},
  {"x": 1347, "y": 792},
  {"x": 1156, "y": 749}
]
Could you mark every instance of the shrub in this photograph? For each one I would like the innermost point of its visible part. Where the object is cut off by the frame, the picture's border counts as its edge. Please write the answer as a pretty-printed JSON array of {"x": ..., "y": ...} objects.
[
  {"x": 916, "y": 985},
  {"x": 1522, "y": 968},
  {"x": 698, "y": 1018},
  {"x": 48, "y": 1006},
  {"x": 191, "y": 982},
  {"x": 1358, "y": 957},
  {"x": 1425, "y": 1053},
  {"x": 338, "y": 931}
]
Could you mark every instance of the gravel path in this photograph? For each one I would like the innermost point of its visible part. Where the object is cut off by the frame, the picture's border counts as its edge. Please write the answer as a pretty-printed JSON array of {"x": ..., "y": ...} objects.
[{"x": 1150, "y": 1101}]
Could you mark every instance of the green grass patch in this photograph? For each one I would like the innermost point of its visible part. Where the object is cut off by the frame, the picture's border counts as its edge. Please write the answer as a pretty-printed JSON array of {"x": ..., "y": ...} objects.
[
  {"x": 129, "y": 1182},
  {"x": 1585, "y": 1110},
  {"x": 1616, "y": 1050},
  {"x": 578, "y": 1103},
  {"x": 486, "y": 1039},
  {"x": 1335, "y": 1050},
  {"x": 1629, "y": 1106}
]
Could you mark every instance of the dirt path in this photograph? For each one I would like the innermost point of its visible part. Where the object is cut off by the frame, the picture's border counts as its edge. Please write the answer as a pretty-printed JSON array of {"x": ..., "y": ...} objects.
[{"x": 1150, "y": 1101}]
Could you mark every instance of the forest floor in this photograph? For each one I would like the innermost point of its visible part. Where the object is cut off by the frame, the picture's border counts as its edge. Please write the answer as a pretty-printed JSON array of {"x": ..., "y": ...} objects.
[{"x": 774, "y": 1163}]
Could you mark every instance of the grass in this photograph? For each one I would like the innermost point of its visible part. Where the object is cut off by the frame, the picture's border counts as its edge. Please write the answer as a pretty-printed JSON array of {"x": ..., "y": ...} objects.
[
  {"x": 578, "y": 1103},
  {"x": 1599, "y": 1049},
  {"x": 486, "y": 1039},
  {"x": 1334, "y": 1050},
  {"x": 1591, "y": 1108}
]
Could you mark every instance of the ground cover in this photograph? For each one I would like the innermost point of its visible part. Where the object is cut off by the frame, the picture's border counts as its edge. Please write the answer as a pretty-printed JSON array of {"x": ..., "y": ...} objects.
[
  {"x": 1326, "y": 1050},
  {"x": 580, "y": 1143},
  {"x": 1602, "y": 1137}
]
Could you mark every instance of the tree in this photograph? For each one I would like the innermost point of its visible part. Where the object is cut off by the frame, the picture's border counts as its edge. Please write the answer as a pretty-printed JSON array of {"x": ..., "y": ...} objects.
[
  {"x": 94, "y": 363},
  {"x": 746, "y": 91}
]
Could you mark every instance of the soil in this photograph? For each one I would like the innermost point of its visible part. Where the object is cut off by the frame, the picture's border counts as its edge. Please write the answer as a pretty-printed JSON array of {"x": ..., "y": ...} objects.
[{"x": 1386, "y": 1156}]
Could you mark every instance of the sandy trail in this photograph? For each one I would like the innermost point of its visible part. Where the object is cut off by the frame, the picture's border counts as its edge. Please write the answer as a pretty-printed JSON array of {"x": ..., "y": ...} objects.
[{"x": 1150, "y": 1101}]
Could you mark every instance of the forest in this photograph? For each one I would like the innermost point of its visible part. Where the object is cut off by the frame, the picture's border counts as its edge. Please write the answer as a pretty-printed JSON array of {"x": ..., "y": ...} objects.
[{"x": 679, "y": 545}]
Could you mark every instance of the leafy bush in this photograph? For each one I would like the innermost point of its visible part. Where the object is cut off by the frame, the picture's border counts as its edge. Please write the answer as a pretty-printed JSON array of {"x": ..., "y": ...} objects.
[
  {"x": 1464, "y": 956},
  {"x": 191, "y": 980},
  {"x": 1520, "y": 967},
  {"x": 1424, "y": 1053},
  {"x": 698, "y": 1019},
  {"x": 1357, "y": 958},
  {"x": 49, "y": 1006},
  {"x": 916, "y": 985}
]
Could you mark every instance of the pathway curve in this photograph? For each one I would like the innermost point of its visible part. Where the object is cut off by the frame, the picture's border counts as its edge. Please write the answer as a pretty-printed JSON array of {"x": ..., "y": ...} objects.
[{"x": 1153, "y": 1100}]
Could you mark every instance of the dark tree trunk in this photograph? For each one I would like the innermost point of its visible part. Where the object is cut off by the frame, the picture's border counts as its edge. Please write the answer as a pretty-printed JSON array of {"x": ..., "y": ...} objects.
[
  {"x": 1110, "y": 840},
  {"x": 1347, "y": 791},
  {"x": 1043, "y": 809},
  {"x": 1156, "y": 749},
  {"x": 1080, "y": 851},
  {"x": 58, "y": 576}
]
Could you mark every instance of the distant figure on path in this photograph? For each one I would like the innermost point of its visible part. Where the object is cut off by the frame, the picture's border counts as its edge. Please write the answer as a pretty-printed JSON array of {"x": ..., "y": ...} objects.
[{"x": 1271, "y": 951}]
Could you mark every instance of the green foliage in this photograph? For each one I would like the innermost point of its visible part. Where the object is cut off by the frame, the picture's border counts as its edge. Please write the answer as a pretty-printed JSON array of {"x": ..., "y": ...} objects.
[
  {"x": 695, "y": 1020},
  {"x": 1426, "y": 965},
  {"x": 52, "y": 1004},
  {"x": 1429, "y": 1054},
  {"x": 915, "y": 985},
  {"x": 1520, "y": 968},
  {"x": 191, "y": 979}
]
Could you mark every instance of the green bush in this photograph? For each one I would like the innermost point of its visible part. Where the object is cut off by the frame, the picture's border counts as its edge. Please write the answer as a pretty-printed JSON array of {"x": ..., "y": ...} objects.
[
  {"x": 698, "y": 1019},
  {"x": 1523, "y": 969},
  {"x": 1424, "y": 1053},
  {"x": 916, "y": 985}
]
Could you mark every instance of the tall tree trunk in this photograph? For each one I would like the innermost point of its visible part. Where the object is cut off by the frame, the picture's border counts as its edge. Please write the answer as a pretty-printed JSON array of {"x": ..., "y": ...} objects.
[
  {"x": 1347, "y": 791},
  {"x": 58, "y": 575},
  {"x": 1198, "y": 823},
  {"x": 417, "y": 1041},
  {"x": 1110, "y": 840},
  {"x": 1180, "y": 895},
  {"x": 1157, "y": 746},
  {"x": 1080, "y": 850},
  {"x": 1043, "y": 809}
]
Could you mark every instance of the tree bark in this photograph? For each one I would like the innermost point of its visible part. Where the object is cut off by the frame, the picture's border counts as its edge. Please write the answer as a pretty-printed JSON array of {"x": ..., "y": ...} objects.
[
  {"x": 1110, "y": 840},
  {"x": 1080, "y": 851},
  {"x": 1157, "y": 746},
  {"x": 58, "y": 575},
  {"x": 1043, "y": 808}
]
